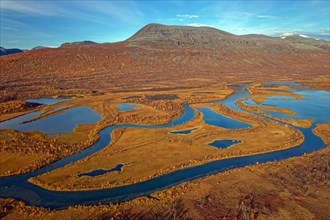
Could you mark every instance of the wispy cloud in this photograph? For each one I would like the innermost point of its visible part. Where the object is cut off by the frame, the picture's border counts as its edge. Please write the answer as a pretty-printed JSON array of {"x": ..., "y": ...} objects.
[
  {"x": 248, "y": 14},
  {"x": 46, "y": 8},
  {"x": 83, "y": 10},
  {"x": 200, "y": 25},
  {"x": 127, "y": 12},
  {"x": 187, "y": 16},
  {"x": 32, "y": 8},
  {"x": 13, "y": 25}
]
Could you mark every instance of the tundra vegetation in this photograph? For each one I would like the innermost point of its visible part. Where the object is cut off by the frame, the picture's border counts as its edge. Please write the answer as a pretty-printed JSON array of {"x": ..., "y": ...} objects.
[
  {"x": 161, "y": 68},
  {"x": 287, "y": 189}
]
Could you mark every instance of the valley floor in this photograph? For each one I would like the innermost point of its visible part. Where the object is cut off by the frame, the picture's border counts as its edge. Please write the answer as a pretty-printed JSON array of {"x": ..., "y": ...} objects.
[{"x": 295, "y": 188}]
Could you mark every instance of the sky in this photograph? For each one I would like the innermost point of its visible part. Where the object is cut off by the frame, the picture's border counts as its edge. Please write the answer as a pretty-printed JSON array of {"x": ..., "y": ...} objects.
[{"x": 29, "y": 23}]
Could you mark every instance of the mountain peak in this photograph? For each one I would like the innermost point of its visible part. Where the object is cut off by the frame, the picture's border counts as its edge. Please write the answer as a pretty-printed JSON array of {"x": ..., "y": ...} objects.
[{"x": 180, "y": 35}]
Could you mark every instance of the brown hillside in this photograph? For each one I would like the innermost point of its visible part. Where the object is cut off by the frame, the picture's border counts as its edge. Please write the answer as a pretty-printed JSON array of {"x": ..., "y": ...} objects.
[{"x": 160, "y": 57}]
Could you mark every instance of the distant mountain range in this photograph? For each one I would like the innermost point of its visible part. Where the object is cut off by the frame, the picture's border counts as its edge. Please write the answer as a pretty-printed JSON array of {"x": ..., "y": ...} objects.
[
  {"x": 39, "y": 47},
  {"x": 86, "y": 42},
  {"x": 186, "y": 35},
  {"x": 212, "y": 37},
  {"x": 168, "y": 56},
  {"x": 4, "y": 51}
]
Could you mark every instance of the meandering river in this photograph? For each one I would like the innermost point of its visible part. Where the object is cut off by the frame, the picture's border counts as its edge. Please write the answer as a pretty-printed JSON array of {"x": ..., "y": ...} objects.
[{"x": 18, "y": 186}]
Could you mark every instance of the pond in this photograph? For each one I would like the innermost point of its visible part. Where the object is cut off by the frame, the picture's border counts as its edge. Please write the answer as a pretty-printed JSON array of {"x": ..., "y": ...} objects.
[
  {"x": 212, "y": 118},
  {"x": 183, "y": 131},
  {"x": 54, "y": 124},
  {"x": 126, "y": 107},
  {"x": 48, "y": 101},
  {"x": 102, "y": 172},
  {"x": 224, "y": 143},
  {"x": 314, "y": 105}
]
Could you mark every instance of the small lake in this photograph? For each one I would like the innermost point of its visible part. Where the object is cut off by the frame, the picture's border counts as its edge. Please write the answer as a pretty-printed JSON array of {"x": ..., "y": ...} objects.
[
  {"x": 53, "y": 124},
  {"x": 102, "y": 172},
  {"x": 126, "y": 107},
  {"x": 212, "y": 118},
  {"x": 183, "y": 131},
  {"x": 48, "y": 101},
  {"x": 224, "y": 143},
  {"x": 316, "y": 104}
]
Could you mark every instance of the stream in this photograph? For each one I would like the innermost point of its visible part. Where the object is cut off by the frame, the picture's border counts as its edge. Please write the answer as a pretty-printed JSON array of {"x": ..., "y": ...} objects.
[{"x": 19, "y": 188}]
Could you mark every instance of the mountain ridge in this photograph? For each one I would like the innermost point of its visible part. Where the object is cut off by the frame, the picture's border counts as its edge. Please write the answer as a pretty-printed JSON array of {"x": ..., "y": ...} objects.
[
  {"x": 175, "y": 34},
  {"x": 9, "y": 51},
  {"x": 153, "y": 58},
  {"x": 85, "y": 42},
  {"x": 181, "y": 35}
]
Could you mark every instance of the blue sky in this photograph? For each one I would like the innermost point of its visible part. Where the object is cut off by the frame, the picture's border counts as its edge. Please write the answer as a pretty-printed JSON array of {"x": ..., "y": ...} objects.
[{"x": 29, "y": 23}]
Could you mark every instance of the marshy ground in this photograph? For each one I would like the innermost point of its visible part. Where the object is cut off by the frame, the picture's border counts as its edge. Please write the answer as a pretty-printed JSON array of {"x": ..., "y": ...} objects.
[{"x": 285, "y": 189}]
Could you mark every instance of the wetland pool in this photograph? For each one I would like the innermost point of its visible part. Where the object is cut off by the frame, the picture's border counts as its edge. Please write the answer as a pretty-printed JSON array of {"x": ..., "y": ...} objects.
[
  {"x": 48, "y": 101},
  {"x": 56, "y": 123},
  {"x": 313, "y": 106},
  {"x": 126, "y": 107},
  {"x": 188, "y": 131},
  {"x": 224, "y": 143},
  {"x": 102, "y": 172},
  {"x": 212, "y": 118}
]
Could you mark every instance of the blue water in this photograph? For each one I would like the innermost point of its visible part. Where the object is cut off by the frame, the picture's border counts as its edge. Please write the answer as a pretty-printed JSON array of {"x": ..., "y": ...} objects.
[
  {"x": 269, "y": 100},
  {"x": 102, "y": 172},
  {"x": 126, "y": 107},
  {"x": 315, "y": 104},
  {"x": 58, "y": 123},
  {"x": 283, "y": 83},
  {"x": 18, "y": 187},
  {"x": 223, "y": 143},
  {"x": 276, "y": 114},
  {"x": 213, "y": 118},
  {"x": 48, "y": 101},
  {"x": 183, "y": 131},
  {"x": 57, "y": 109},
  {"x": 240, "y": 92},
  {"x": 280, "y": 97}
]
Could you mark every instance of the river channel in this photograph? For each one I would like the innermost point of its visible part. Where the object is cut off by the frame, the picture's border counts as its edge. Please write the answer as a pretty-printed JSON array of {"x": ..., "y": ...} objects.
[{"x": 18, "y": 186}]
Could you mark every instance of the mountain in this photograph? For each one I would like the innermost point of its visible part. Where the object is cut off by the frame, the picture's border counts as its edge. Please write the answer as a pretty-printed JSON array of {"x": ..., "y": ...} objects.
[
  {"x": 157, "y": 35},
  {"x": 4, "y": 51},
  {"x": 39, "y": 47},
  {"x": 181, "y": 35},
  {"x": 305, "y": 40},
  {"x": 259, "y": 36},
  {"x": 163, "y": 57},
  {"x": 86, "y": 42}
]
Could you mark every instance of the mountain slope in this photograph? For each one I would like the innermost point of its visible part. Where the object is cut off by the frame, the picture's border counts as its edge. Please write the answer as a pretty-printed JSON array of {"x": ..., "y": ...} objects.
[
  {"x": 181, "y": 35},
  {"x": 161, "y": 57}
]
